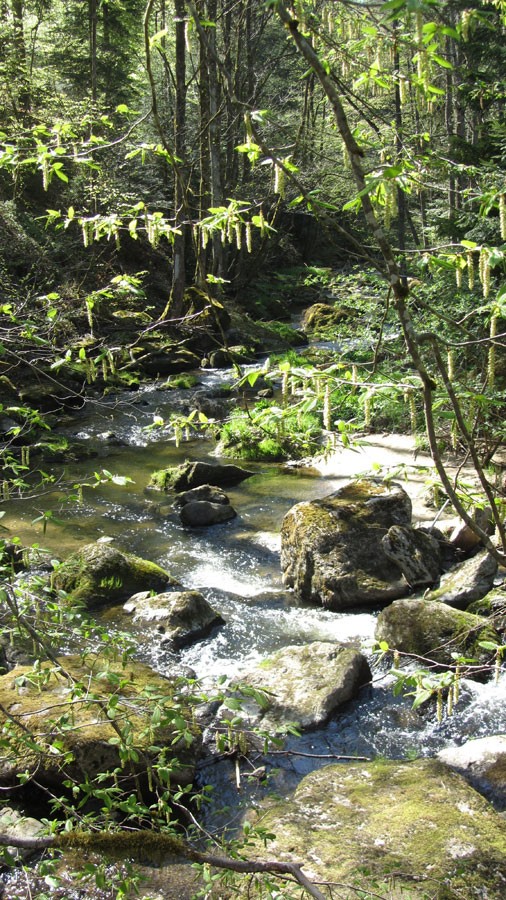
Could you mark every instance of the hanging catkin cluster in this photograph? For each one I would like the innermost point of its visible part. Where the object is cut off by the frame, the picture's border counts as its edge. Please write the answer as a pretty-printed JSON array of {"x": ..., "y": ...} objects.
[
  {"x": 153, "y": 228},
  {"x": 458, "y": 271},
  {"x": 390, "y": 207},
  {"x": 88, "y": 231},
  {"x": 485, "y": 271},
  {"x": 470, "y": 269},
  {"x": 46, "y": 175},
  {"x": 491, "y": 350},
  {"x": 403, "y": 89},
  {"x": 279, "y": 180},
  {"x": 502, "y": 215},
  {"x": 465, "y": 21}
]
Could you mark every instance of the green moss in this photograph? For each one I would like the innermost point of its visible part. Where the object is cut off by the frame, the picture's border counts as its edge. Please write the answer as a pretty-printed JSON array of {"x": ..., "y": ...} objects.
[
  {"x": 416, "y": 822},
  {"x": 162, "y": 479},
  {"x": 183, "y": 381},
  {"x": 99, "y": 574},
  {"x": 140, "y": 846},
  {"x": 40, "y": 701}
]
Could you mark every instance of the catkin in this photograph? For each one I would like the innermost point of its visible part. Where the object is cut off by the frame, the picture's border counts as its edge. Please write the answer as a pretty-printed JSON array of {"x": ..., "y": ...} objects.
[
  {"x": 465, "y": 20},
  {"x": 249, "y": 237},
  {"x": 402, "y": 90},
  {"x": 45, "y": 173},
  {"x": 279, "y": 181},
  {"x": 491, "y": 351},
  {"x": 451, "y": 365},
  {"x": 470, "y": 270},
  {"x": 367, "y": 410},
  {"x": 439, "y": 706},
  {"x": 327, "y": 424},
  {"x": 485, "y": 271},
  {"x": 285, "y": 388},
  {"x": 502, "y": 215}
]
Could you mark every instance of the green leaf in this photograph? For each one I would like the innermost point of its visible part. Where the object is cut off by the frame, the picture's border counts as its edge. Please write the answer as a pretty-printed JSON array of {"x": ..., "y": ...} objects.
[{"x": 444, "y": 63}]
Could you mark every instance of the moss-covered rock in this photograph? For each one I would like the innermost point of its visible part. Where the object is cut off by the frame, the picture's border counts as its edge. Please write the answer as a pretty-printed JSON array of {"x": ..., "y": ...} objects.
[
  {"x": 100, "y": 575},
  {"x": 225, "y": 357},
  {"x": 190, "y": 475},
  {"x": 331, "y": 549},
  {"x": 322, "y": 316},
  {"x": 399, "y": 829},
  {"x": 434, "y": 630},
  {"x": 65, "y": 709},
  {"x": 468, "y": 581},
  {"x": 493, "y": 607}
]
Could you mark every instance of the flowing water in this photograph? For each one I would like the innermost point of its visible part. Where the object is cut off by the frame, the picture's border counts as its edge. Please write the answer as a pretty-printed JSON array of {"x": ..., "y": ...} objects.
[{"x": 236, "y": 566}]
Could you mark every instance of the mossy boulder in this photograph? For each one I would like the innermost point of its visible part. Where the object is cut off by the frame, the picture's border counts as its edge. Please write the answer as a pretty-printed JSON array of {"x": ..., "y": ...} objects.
[
  {"x": 65, "y": 709},
  {"x": 331, "y": 549},
  {"x": 322, "y": 316},
  {"x": 157, "y": 362},
  {"x": 493, "y": 607},
  {"x": 99, "y": 575},
  {"x": 398, "y": 829},
  {"x": 468, "y": 581},
  {"x": 305, "y": 684},
  {"x": 178, "y": 618},
  {"x": 434, "y": 630},
  {"x": 225, "y": 357},
  {"x": 190, "y": 475}
]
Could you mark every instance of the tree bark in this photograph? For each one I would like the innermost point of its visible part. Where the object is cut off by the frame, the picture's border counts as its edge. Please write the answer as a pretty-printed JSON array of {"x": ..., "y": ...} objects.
[{"x": 179, "y": 254}]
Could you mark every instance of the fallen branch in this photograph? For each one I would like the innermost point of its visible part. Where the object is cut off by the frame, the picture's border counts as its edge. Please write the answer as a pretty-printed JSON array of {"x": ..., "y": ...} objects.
[{"x": 157, "y": 847}]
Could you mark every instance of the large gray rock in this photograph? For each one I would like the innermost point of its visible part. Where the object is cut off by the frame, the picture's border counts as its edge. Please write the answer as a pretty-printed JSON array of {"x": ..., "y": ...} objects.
[
  {"x": 207, "y": 492},
  {"x": 392, "y": 829},
  {"x": 179, "y": 618},
  {"x": 99, "y": 574},
  {"x": 483, "y": 763},
  {"x": 434, "y": 630},
  {"x": 332, "y": 551},
  {"x": 15, "y": 824},
  {"x": 204, "y": 505},
  {"x": 202, "y": 513},
  {"x": 415, "y": 552},
  {"x": 470, "y": 580},
  {"x": 305, "y": 684}
]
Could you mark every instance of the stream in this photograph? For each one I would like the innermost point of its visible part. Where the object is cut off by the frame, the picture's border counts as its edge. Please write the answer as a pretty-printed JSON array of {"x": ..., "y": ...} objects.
[{"x": 236, "y": 566}]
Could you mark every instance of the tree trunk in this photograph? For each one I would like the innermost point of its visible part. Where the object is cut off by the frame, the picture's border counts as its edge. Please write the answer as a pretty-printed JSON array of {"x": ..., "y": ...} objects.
[
  {"x": 20, "y": 63},
  {"x": 92, "y": 20},
  {"x": 179, "y": 254},
  {"x": 215, "y": 141}
]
